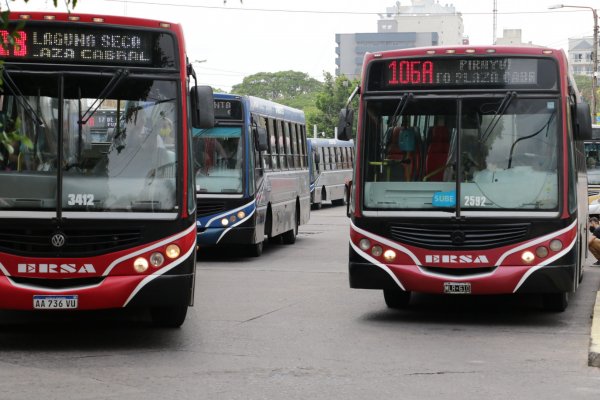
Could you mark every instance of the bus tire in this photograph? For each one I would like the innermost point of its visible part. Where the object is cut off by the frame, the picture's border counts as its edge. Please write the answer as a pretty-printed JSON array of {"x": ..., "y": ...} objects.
[
  {"x": 168, "y": 317},
  {"x": 316, "y": 206},
  {"x": 289, "y": 237},
  {"x": 338, "y": 202},
  {"x": 396, "y": 299},
  {"x": 256, "y": 249},
  {"x": 555, "y": 302}
]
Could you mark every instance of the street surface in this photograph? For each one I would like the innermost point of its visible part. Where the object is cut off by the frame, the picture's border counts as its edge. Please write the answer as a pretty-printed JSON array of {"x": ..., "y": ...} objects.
[{"x": 286, "y": 326}]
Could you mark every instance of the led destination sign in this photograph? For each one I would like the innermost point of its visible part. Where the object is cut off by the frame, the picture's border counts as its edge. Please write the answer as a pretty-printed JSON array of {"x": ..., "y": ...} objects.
[
  {"x": 497, "y": 72},
  {"x": 228, "y": 109},
  {"x": 80, "y": 45}
]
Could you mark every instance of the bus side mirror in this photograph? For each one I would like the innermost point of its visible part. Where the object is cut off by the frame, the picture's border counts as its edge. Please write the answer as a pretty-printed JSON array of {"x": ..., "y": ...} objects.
[
  {"x": 203, "y": 107},
  {"x": 345, "y": 124},
  {"x": 583, "y": 122},
  {"x": 260, "y": 138}
]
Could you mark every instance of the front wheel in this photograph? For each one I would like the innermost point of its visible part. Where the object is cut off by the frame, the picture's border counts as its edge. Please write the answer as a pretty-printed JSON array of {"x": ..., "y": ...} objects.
[
  {"x": 397, "y": 299},
  {"x": 556, "y": 302},
  {"x": 168, "y": 317}
]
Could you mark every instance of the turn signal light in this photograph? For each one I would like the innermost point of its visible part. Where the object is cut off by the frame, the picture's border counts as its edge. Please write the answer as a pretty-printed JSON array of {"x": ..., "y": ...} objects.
[{"x": 173, "y": 251}]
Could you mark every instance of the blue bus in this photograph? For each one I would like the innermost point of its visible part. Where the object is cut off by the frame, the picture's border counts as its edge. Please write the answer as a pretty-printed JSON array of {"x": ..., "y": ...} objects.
[
  {"x": 330, "y": 162},
  {"x": 252, "y": 179}
]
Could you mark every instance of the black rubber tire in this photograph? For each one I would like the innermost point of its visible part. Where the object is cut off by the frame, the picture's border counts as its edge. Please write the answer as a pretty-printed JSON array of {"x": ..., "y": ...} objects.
[
  {"x": 316, "y": 206},
  {"x": 168, "y": 317},
  {"x": 255, "y": 250},
  {"x": 289, "y": 237},
  {"x": 338, "y": 202},
  {"x": 396, "y": 299},
  {"x": 555, "y": 302}
]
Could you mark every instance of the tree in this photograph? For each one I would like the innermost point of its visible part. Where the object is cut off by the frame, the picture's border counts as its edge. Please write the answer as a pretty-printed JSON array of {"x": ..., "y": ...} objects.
[
  {"x": 330, "y": 101},
  {"x": 286, "y": 87}
]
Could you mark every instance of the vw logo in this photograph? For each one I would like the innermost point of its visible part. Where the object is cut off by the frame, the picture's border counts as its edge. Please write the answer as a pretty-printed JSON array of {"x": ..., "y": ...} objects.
[
  {"x": 458, "y": 238},
  {"x": 58, "y": 240}
]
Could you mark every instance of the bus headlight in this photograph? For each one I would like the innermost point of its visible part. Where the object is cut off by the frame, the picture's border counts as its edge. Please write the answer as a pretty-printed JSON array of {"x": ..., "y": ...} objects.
[
  {"x": 241, "y": 215},
  {"x": 377, "y": 251},
  {"x": 140, "y": 265},
  {"x": 527, "y": 257},
  {"x": 541, "y": 252},
  {"x": 389, "y": 255},
  {"x": 157, "y": 259},
  {"x": 224, "y": 222},
  {"x": 364, "y": 244},
  {"x": 556, "y": 245},
  {"x": 172, "y": 251}
]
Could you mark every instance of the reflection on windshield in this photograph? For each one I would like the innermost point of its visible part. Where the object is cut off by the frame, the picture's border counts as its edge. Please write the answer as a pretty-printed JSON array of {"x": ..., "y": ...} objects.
[
  {"x": 123, "y": 158},
  {"x": 218, "y": 159},
  {"x": 508, "y": 154}
]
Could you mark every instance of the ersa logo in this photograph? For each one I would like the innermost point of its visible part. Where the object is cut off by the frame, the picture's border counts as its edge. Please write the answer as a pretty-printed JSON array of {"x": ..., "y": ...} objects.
[
  {"x": 456, "y": 259},
  {"x": 56, "y": 269}
]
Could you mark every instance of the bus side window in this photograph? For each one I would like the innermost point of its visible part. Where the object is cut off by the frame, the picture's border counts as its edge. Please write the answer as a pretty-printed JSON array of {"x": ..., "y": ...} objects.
[
  {"x": 295, "y": 160},
  {"x": 280, "y": 145},
  {"x": 287, "y": 145},
  {"x": 272, "y": 143}
]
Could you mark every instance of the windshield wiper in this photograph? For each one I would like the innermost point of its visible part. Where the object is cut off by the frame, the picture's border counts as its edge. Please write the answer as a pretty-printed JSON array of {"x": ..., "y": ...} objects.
[
  {"x": 118, "y": 76},
  {"x": 12, "y": 86},
  {"x": 399, "y": 109},
  {"x": 512, "y": 148},
  {"x": 508, "y": 98}
]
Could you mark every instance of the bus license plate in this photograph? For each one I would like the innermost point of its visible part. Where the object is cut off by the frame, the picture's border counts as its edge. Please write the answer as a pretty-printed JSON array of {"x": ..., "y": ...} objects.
[
  {"x": 457, "y": 288},
  {"x": 43, "y": 302}
]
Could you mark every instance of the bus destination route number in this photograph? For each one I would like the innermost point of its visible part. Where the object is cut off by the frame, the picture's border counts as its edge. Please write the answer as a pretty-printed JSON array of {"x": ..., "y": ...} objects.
[{"x": 69, "y": 45}]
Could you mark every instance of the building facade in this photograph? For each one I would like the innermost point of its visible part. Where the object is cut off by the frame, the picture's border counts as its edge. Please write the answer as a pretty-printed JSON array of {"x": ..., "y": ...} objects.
[
  {"x": 581, "y": 55},
  {"x": 423, "y": 23}
]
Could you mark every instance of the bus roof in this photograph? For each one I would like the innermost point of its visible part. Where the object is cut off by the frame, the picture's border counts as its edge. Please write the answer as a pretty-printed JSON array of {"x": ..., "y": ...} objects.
[
  {"x": 265, "y": 107},
  {"x": 98, "y": 19}
]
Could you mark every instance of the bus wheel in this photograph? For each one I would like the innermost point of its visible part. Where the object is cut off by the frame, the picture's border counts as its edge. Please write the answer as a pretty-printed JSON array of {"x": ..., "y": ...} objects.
[
  {"x": 397, "y": 299},
  {"x": 316, "y": 206},
  {"x": 338, "y": 202},
  {"x": 289, "y": 237},
  {"x": 168, "y": 317},
  {"x": 556, "y": 302},
  {"x": 256, "y": 249}
]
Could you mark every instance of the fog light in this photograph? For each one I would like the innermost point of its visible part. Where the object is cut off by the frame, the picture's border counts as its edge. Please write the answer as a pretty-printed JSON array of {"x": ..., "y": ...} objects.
[
  {"x": 527, "y": 257},
  {"x": 140, "y": 265},
  {"x": 157, "y": 259},
  {"x": 541, "y": 252},
  {"x": 556, "y": 245},
  {"x": 389, "y": 255},
  {"x": 172, "y": 251},
  {"x": 241, "y": 215},
  {"x": 224, "y": 222},
  {"x": 364, "y": 244},
  {"x": 377, "y": 251}
]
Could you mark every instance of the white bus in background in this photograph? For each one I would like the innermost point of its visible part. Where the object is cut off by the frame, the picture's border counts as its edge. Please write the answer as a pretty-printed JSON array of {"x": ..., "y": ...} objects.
[{"x": 330, "y": 162}]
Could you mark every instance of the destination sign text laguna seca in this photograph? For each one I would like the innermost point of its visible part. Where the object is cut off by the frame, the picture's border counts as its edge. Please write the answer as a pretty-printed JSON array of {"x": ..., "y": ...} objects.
[{"x": 72, "y": 45}]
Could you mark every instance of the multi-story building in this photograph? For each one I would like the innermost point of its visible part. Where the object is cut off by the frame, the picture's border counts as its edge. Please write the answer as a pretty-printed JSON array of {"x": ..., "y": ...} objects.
[
  {"x": 580, "y": 55},
  {"x": 423, "y": 23}
]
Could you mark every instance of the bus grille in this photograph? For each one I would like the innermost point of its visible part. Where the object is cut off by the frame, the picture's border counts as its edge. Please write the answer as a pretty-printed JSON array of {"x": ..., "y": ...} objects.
[
  {"x": 459, "y": 236},
  {"x": 79, "y": 241},
  {"x": 71, "y": 283},
  {"x": 208, "y": 207}
]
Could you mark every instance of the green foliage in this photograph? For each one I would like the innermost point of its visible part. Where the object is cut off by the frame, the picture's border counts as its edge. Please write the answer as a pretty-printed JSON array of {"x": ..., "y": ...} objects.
[
  {"x": 584, "y": 84},
  {"x": 286, "y": 87},
  {"x": 329, "y": 102}
]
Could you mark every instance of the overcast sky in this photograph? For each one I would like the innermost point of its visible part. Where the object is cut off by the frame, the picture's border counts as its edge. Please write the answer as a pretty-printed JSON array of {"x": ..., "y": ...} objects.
[{"x": 237, "y": 40}]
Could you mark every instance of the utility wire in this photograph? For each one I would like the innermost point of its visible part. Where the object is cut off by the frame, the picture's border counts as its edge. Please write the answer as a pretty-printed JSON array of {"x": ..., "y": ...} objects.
[{"x": 157, "y": 3}]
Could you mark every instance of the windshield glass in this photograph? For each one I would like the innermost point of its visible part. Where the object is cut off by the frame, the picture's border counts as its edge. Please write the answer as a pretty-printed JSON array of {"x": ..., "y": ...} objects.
[
  {"x": 592, "y": 158},
  {"x": 122, "y": 157},
  {"x": 218, "y": 159},
  {"x": 507, "y": 161}
]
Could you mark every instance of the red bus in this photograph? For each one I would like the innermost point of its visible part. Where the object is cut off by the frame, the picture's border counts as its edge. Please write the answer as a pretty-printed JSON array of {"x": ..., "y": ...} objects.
[
  {"x": 97, "y": 201},
  {"x": 469, "y": 174}
]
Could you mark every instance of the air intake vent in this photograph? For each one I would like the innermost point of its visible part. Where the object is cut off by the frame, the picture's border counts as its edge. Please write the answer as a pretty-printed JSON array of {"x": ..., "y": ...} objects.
[
  {"x": 459, "y": 236},
  {"x": 208, "y": 207}
]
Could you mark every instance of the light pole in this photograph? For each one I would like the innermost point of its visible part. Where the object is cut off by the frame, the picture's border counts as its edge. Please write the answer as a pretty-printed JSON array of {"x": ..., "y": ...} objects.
[{"x": 594, "y": 54}]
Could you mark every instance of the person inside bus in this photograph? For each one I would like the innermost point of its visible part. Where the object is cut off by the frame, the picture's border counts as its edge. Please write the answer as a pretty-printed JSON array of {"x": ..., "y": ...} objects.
[
  {"x": 594, "y": 241},
  {"x": 404, "y": 148},
  {"x": 592, "y": 159},
  {"x": 211, "y": 150}
]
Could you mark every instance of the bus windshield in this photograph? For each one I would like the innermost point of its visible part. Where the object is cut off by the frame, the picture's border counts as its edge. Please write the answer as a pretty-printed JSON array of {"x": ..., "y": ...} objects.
[
  {"x": 502, "y": 151},
  {"x": 113, "y": 142},
  {"x": 218, "y": 159}
]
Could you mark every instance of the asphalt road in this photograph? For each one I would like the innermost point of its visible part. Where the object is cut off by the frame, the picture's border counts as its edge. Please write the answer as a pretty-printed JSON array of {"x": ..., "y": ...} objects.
[{"x": 286, "y": 326}]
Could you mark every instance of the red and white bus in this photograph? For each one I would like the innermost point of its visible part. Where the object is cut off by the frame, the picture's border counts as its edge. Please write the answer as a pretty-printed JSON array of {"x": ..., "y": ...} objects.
[
  {"x": 469, "y": 174},
  {"x": 97, "y": 201}
]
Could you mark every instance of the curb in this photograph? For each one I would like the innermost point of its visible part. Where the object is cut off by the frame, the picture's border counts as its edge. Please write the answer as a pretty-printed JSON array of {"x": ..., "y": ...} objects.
[{"x": 594, "y": 352}]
